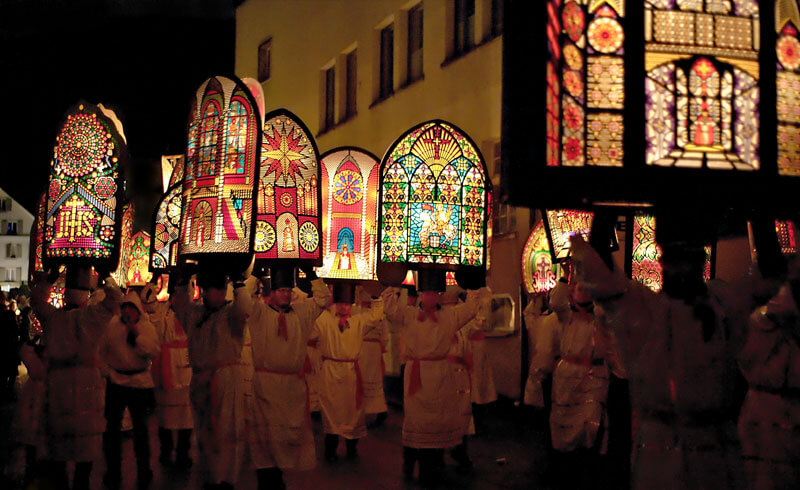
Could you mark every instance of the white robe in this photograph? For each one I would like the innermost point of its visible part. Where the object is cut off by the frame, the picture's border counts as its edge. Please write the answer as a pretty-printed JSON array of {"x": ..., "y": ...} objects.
[
  {"x": 341, "y": 397},
  {"x": 281, "y": 434},
  {"x": 216, "y": 340},
  {"x": 173, "y": 404},
  {"x": 430, "y": 421},
  {"x": 373, "y": 367}
]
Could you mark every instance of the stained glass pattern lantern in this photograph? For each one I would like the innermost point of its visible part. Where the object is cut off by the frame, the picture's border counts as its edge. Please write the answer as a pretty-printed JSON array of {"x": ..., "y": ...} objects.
[
  {"x": 85, "y": 190},
  {"x": 137, "y": 270},
  {"x": 166, "y": 231},
  {"x": 172, "y": 169},
  {"x": 289, "y": 199},
  {"x": 645, "y": 265},
  {"x": 787, "y": 50},
  {"x": 787, "y": 236},
  {"x": 538, "y": 267},
  {"x": 563, "y": 224},
  {"x": 126, "y": 242},
  {"x": 433, "y": 201},
  {"x": 37, "y": 238},
  {"x": 220, "y": 179},
  {"x": 349, "y": 214},
  {"x": 702, "y": 104}
]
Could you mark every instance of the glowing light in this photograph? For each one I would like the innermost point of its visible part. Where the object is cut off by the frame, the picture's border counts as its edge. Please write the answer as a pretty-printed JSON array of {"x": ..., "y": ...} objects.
[{"x": 538, "y": 269}]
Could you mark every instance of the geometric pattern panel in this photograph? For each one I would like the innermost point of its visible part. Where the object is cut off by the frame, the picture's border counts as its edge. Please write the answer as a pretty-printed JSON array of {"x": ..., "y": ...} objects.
[
  {"x": 433, "y": 202},
  {"x": 787, "y": 236},
  {"x": 538, "y": 268},
  {"x": 166, "y": 231},
  {"x": 563, "y": 224},
  {"x": 220, "y": 176},
  {"x": 138, "y": 260},
  {"x": 85, "y": 189},
  {"x": 349, "y": 214},
  {"x": 288, "y": 202},
  {"x": 787, "y": 49}
]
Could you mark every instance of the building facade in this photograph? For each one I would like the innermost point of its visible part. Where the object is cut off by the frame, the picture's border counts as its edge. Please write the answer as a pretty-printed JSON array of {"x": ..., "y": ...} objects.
[
  {"x": 15, "y": 226},
  {"x": 362, "y": 72}
]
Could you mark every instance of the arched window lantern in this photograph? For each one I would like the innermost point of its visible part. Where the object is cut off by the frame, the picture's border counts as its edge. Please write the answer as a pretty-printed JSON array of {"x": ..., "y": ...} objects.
[
  {"x": 433, "y": 200},
  {"x": 220, "y": 180},
  {"x": 85, "y": 190},
  {"x": 538, "y": 266},
  {"x": 349, "y": 185}
]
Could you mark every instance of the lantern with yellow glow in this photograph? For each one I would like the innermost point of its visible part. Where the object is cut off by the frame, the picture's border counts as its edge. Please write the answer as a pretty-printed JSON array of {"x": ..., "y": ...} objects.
[
  {"x": 433, "y": 202},
  {"x": 85, "y": 190},
  {"x": 221, "y": 172},
  {"x": 538, "y": 267},
  {"x": 137, "y": 271},
  {"x": 126, "y": 241},
  {"x": 289, "y": 198},
  {"x": 349, "y": 213}
]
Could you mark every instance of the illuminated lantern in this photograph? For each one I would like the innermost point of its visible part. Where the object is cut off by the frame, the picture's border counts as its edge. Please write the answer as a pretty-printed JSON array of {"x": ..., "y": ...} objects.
[
  {"x": 137, "y": 271},
  {"x": 563, "y": 224},
  {"x": 289, "y": 199},
  {"x": 166, "y": 231},
  {"x": 538, "y": 269},
  {"x": 645, "y": 259},
  {"x": 450, "y": 279},
  {"x": 85, "y": 190},
  {"x": 37, "y": 238},
  {"x": 349, "y": 214},
  {"x": 787, "y": 236},
  {"x": 433, "y": 200},
  {"x": 172, "y": 170},
  {"x": 126, "y": 241},
  {"x": 220, "y": 178}
]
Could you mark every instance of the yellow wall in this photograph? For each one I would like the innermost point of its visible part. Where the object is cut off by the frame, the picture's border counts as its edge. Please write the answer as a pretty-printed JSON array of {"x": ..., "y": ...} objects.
[{"x": 309, "y": 36}]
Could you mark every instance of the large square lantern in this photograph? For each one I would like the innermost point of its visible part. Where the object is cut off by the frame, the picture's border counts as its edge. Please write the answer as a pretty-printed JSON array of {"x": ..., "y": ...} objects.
[
  {"x": 85, "y": 190},
  {"x": 631, "y": 101},
  {"x": 289, "y": 198},
  {"x": 538, "y": 266},
  {"x": 433, "y": 200},
  {"x": 349, "y": 213},
  {"x": 166, "y": 231},
  {"x": 221, "y": 173}
]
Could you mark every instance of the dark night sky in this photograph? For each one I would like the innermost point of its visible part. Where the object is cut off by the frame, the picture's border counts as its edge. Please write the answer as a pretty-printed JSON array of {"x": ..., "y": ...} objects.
[{"x": 143, "y": 58}]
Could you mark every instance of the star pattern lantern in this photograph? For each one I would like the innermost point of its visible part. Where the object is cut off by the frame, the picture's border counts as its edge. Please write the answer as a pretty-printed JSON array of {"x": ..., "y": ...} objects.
[
  {"x": 137, "y": 270},
  {"x": 644, "y": 264},
  {"x": 349, "y": 214},
  {"x": 85, "y": 190},
  {"x": 126, "y": 242},
  {"x": 166, "y": 231},
  {"x": 433, "y": 200},
  {"x": 289, "y": 199},
  {"x": 220, "y": 178},
  {"x": 538, "y": 267},
  {"x": 697, "y": 95}
]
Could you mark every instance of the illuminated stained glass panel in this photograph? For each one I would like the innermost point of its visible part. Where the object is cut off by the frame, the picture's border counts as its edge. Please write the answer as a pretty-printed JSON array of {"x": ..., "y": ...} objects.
[
  {"x": 85, "y": 189},
  {"x": 701, "y": 84},
  {"x": 434, "y": 199},
  {"x": 450, "y": 279},
  {"x": 172, "y": 169},
  {"x": 166, "y": 231},
  {"x": 221, "y": 170},
  {"x": 787, "y": 236},
  {"x": 563, "y": 224},
  {"x": 126, "y": 241},
  {"x": 787, "y": 49},
  {"x": 289, "y": 200},
  {"x": 646, "y": 254},
  {"x": 349, "y": 214},
  {"x": 585, "y": 83},
  {"x": 37, "y": 238},
  {"x": 137, "y": 270},
  {"x": 538, "y": 268}
]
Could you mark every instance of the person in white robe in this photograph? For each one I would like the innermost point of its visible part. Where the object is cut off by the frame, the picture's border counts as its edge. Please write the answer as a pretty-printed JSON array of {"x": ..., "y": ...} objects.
[{"x": 373, "y": 366}]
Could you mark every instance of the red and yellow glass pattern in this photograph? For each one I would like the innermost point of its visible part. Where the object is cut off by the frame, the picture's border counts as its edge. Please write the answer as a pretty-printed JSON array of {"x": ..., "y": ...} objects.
[
  {"x": 787, "y": 236},
  {"x": 166, "y": 231},
  {"x": 434, "y": 199},
  {"x": 349, "y": 214},
  {"x": 538, "y": 269},
  {"x": 220, "y": 177},
  {"x": 787, "y": 49},
  {"x": 701, "y": 84},
  {"x": 585, "y": 83},
  {"x": 84, "y": 189},
  {"x": 288, "y": 213},
  {"x": 126, "y": 242},
  {"x": 563, "y": 224},
  {"x": 137, "y": 270}
]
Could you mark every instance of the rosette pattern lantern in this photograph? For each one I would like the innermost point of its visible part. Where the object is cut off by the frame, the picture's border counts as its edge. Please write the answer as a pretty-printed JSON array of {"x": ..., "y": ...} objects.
[
  {"x": 220, "y": 177},
  {"x": 289, "y": 198},
  {"x": 85, "y": 190},
  {"x": 349, "y": 213},
  {"x": 433, "y": 200}
]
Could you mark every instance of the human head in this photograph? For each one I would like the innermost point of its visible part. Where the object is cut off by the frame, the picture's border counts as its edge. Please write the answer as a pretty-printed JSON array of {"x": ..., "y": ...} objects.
[
  {"x": 282, "y": 281},
  {"x": 215, "y": 288},
  {"x": 129, "y": 313},
  {"x": 343, "y": 292}
]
